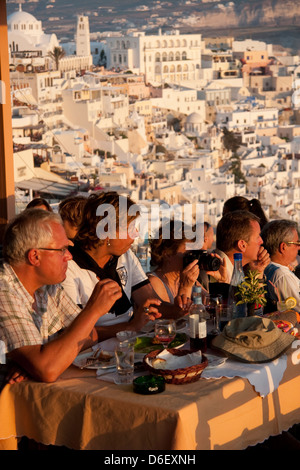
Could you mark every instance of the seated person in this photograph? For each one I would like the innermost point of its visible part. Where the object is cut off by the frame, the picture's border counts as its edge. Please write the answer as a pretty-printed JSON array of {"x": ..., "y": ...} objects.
[
  {"x": 71, "y": 210},
  {"x": 239, "y": 232},
  {"x": 39, "y": 203},
  {"x": 240, "y": 203},
  {"x": 208, "y": 236},
  {"x": 34, "y": 308},
  {"x": 281, "y": 239},
  {"x": 204, "y": 278},
  {"x": 170, "y": 278},
  {"x": 108, "y": 256}
]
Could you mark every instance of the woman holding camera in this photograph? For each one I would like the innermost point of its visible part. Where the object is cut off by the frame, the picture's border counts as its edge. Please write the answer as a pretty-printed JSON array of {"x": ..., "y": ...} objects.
[{"x": 171, "y": 276}]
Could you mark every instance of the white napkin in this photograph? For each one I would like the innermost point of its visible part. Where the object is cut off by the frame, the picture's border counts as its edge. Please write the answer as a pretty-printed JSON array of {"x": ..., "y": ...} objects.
[
  {"x": 176, "y": 362},
  {"x": 265, "y": 377}
]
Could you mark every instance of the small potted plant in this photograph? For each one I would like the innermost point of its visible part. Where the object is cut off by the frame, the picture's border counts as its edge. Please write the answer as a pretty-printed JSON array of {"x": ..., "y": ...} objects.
[{"x": 251, "y": 292}]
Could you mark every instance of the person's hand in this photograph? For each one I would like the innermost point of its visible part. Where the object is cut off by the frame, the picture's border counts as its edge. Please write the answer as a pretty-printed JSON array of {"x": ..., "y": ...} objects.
[
  {"x": 220, "y": 275},
  {"x": 184, "y": 303},
  {"x": 148, "y": 311},
  {"x": 106, "y": 292},
  {"x": 263, "y": 259},
  {"x": 189, "y": 275},
  {"x": 16, "y": 375}
]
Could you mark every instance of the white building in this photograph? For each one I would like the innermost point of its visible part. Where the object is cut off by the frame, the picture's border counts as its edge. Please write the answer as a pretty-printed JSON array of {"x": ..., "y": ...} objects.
[
  {"x": 83, "y": 47},
  {"x": 195, "y": 124},
  {"x": 182, "y": 100},
  {"x": 25, "y": 33},
  {"x": 170, "y": 57},
  {"x": 251, "y": 45},
  {"x": 240, "y": 119},
  {"x": 79, "y": 55},
  {"x": 29, "y": 45}
]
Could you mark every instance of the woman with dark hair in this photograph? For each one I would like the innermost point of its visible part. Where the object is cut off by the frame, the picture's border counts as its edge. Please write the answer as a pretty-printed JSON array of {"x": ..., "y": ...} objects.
[
  {"x": 171, "y": 278},
  {"x": 237, "y": 203},
  {"x": 39, "y": 203},
  {"x": 102, "y": 251}
]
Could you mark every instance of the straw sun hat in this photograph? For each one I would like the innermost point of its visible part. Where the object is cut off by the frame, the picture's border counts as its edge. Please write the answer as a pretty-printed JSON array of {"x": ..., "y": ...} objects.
[{"x": 253, "y": 339}]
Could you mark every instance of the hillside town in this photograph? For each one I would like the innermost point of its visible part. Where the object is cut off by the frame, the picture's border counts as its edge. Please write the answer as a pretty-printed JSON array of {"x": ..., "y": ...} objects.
[
  {"x": 174, "y": 118},
  {"x": 149, "y": 235}
]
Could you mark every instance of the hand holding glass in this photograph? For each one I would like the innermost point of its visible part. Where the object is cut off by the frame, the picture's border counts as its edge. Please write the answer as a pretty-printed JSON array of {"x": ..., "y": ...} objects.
[{"x": 165, "y": 331}]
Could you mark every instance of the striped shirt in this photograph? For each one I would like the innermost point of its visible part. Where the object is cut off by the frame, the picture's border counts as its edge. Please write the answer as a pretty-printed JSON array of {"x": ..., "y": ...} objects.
[{"x": 27, "y": 320}]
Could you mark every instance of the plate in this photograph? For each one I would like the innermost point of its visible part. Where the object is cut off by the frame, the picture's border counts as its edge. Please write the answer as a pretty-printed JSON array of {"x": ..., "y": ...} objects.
[
  {"x": 214, "y": 361},
  {"x": 80, "y": 361},
  {"x": 144, "y": 344}
]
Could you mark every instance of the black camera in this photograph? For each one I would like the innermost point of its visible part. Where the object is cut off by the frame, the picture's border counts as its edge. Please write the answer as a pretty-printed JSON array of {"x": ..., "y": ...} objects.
[{"x": 206, "y": 261}]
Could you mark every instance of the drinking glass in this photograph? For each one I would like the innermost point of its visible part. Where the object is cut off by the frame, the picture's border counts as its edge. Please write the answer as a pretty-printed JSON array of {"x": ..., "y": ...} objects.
[
  {"x": 211, "y": 303},
  {"x": 126, "y": 335},
  {"x": 281, "y": 306},
  {"x": 124, "y": 354},
  {"x": 165, "y": 331},
  {"x": 223, "y": 316}
]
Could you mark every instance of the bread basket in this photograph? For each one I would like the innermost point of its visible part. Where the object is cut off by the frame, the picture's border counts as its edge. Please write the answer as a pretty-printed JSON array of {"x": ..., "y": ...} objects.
[{"x": 177, "y": 376}]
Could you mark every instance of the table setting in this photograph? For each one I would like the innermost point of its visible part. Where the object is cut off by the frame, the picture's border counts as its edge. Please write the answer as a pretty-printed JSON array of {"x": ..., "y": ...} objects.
[{"x": 163, "y": 351}]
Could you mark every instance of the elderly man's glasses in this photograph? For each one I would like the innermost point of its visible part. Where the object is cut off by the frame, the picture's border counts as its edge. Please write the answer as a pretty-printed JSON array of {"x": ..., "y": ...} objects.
[
  {"x": 61, "y": 250},
  {"x": 293, "y": 243}
]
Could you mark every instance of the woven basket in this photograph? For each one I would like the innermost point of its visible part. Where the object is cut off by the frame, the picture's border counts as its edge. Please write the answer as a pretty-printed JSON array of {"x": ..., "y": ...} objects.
[{"x": 177, "y": 376}]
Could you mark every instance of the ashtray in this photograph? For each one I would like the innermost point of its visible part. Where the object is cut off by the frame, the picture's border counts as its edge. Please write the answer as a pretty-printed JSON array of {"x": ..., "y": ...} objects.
[{"x": 149, "y": 384}]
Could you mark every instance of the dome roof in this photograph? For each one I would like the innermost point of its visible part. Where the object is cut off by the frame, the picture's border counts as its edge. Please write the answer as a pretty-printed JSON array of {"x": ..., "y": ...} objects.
[
  {"x": 21, "y": 17},
  {"x": 194, "y": 118}
]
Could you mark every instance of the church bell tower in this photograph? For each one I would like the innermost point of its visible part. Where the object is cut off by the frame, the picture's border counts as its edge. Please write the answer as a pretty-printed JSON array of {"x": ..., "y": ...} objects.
[{"x": 83, "y": 47}]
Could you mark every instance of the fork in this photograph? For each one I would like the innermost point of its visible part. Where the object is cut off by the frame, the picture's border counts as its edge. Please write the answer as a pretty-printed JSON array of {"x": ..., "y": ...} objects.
[{"x": 90, "y": 360}]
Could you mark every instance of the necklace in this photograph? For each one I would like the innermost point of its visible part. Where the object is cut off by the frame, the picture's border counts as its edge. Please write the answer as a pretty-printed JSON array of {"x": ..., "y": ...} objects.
[{"x": 172, "y": 286}]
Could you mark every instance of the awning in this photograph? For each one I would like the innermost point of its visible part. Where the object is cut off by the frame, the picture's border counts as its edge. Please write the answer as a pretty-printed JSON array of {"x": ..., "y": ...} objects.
[
  {"x": 25, "y": 96},
  {"x": 47, "y": 187}
]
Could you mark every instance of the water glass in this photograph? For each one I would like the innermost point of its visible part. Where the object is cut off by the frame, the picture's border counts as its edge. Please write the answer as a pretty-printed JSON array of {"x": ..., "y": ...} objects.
[
  {"x": 224, "y": 314},
  {"x": 124, "y": 354},
  {"x": 281, "y": 306},
  {"x": 126, "y": 335}
]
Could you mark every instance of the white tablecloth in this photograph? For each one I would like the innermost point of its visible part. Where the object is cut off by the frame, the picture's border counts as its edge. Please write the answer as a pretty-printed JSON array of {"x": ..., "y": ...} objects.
[{"x": 265, "y": 378}]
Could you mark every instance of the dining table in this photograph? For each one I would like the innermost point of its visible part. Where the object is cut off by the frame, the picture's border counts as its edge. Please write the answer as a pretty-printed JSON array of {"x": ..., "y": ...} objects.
[{"x": 231, "y": 407}]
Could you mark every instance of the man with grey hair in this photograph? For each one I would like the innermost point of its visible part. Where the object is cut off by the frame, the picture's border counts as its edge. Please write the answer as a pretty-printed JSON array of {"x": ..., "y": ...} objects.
[
  {"x": 34, "y": 308},
  {"x": 281, "y": 239}
]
